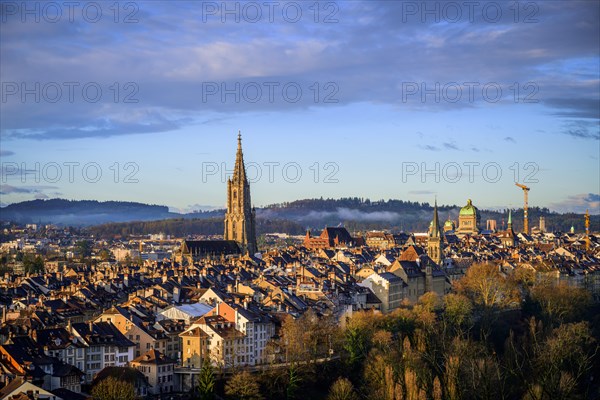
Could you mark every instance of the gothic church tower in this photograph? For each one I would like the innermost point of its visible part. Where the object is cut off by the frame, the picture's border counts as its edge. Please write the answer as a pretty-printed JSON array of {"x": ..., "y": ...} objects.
[
  {"x": 240, "y": 216},
  {"x": 434, "y": 244}
]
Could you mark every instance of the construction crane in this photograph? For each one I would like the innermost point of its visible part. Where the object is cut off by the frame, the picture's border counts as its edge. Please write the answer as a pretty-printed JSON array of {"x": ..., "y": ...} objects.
[{"x": 525, "y": 207}]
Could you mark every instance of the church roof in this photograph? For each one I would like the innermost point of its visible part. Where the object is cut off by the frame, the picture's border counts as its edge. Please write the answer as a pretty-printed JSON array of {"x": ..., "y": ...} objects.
[
  {"x": 216, "y": 247},
  {"x": 340, "y": 232}
]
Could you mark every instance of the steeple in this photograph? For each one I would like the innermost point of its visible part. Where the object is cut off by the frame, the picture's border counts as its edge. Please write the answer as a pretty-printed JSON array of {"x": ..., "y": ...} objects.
[
  {"x": 239, "y": 171},
  {"x": 435, "y": 230},
  {"x": 240, "y": 216},
  {"x": 434, "y": 244},
  {"x": 508, "y": 237}
]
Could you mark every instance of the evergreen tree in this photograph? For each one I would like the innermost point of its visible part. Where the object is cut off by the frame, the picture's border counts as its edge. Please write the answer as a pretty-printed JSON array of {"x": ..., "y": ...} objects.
[{"x": 206, "y": 381}]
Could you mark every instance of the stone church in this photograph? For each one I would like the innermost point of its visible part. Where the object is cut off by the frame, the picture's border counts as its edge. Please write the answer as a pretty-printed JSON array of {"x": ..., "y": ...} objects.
[{"x": 239, "y": 236}]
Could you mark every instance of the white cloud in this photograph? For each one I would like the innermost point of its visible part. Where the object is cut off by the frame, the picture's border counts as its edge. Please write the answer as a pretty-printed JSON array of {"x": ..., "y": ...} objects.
[{"x": 578, "y": 203}]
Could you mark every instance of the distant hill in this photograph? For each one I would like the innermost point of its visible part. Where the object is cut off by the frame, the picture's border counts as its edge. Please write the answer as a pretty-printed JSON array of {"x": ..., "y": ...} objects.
[
  {"x": 359, "y": 214},
  {"x": 293, "y": 217},
  {"x": 81, "y": 212},
  {"x": 181, "y": 227}
]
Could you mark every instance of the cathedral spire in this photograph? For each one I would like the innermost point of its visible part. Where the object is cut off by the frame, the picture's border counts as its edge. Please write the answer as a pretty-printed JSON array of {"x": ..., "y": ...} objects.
[
  {"x": 435, "y": 229},
  {"x": 434, "y": 244},
  {"x": 239, "y": 170}
]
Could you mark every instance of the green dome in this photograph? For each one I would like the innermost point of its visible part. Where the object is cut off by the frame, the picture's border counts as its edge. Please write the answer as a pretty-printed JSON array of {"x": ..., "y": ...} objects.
[
  {"x": 469, "y": 209},
  {"x": 449, "y": 223}
]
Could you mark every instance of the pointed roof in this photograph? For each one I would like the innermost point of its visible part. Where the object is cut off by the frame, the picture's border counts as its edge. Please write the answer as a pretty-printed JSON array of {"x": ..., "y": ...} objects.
[
  {"x": 509, "y": 217},
  {"x": 239, "y": 171},
  {"x": 435, "y": 230}
]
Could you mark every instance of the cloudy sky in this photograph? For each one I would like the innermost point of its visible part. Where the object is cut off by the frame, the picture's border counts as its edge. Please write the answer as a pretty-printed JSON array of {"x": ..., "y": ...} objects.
[{"x": 142, "y": 101}]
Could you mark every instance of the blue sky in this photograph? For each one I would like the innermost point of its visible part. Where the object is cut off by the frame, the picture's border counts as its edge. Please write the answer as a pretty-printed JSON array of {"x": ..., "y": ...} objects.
[{"x": 355, "y": 100}]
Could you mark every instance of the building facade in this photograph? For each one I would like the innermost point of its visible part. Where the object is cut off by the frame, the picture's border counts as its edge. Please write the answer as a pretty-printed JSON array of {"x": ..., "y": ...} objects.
[{"x": 158, "y": 369}]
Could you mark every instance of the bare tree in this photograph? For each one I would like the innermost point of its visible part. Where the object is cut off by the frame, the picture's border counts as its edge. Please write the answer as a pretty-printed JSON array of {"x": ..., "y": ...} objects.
[
  {"x": 243, "y": 386},
  {"x": 112, "y": 388}
]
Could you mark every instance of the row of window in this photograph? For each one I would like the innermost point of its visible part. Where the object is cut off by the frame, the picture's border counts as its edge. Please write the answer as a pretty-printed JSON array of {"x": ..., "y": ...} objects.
[{"x": 165, "y": 368}]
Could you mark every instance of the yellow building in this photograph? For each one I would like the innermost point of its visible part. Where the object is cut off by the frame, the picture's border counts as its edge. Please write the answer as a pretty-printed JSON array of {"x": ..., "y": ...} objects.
[{"x": 194, "y": 347}]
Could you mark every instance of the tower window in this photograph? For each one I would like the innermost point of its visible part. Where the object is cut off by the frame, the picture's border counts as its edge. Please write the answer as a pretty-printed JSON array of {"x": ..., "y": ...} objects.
[{"x": 234, "y": 194}]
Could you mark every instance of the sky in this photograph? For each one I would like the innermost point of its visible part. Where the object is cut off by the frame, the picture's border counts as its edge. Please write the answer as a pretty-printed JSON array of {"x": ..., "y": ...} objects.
[{"x": 143, "y": 100}]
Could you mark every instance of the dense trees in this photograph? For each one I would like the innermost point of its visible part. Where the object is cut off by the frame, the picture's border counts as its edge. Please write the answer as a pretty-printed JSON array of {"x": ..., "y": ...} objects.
[
  {"x": 289, "y": 217},
  {"x": 496, "y": 336},
  {"x": 560, "y": 303},
  {"x": 181, "y": 227},
  {"x": 446, "y": 349},
  {"x": 33, "y": 263},
  {"x": 83, "y": 249}
]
